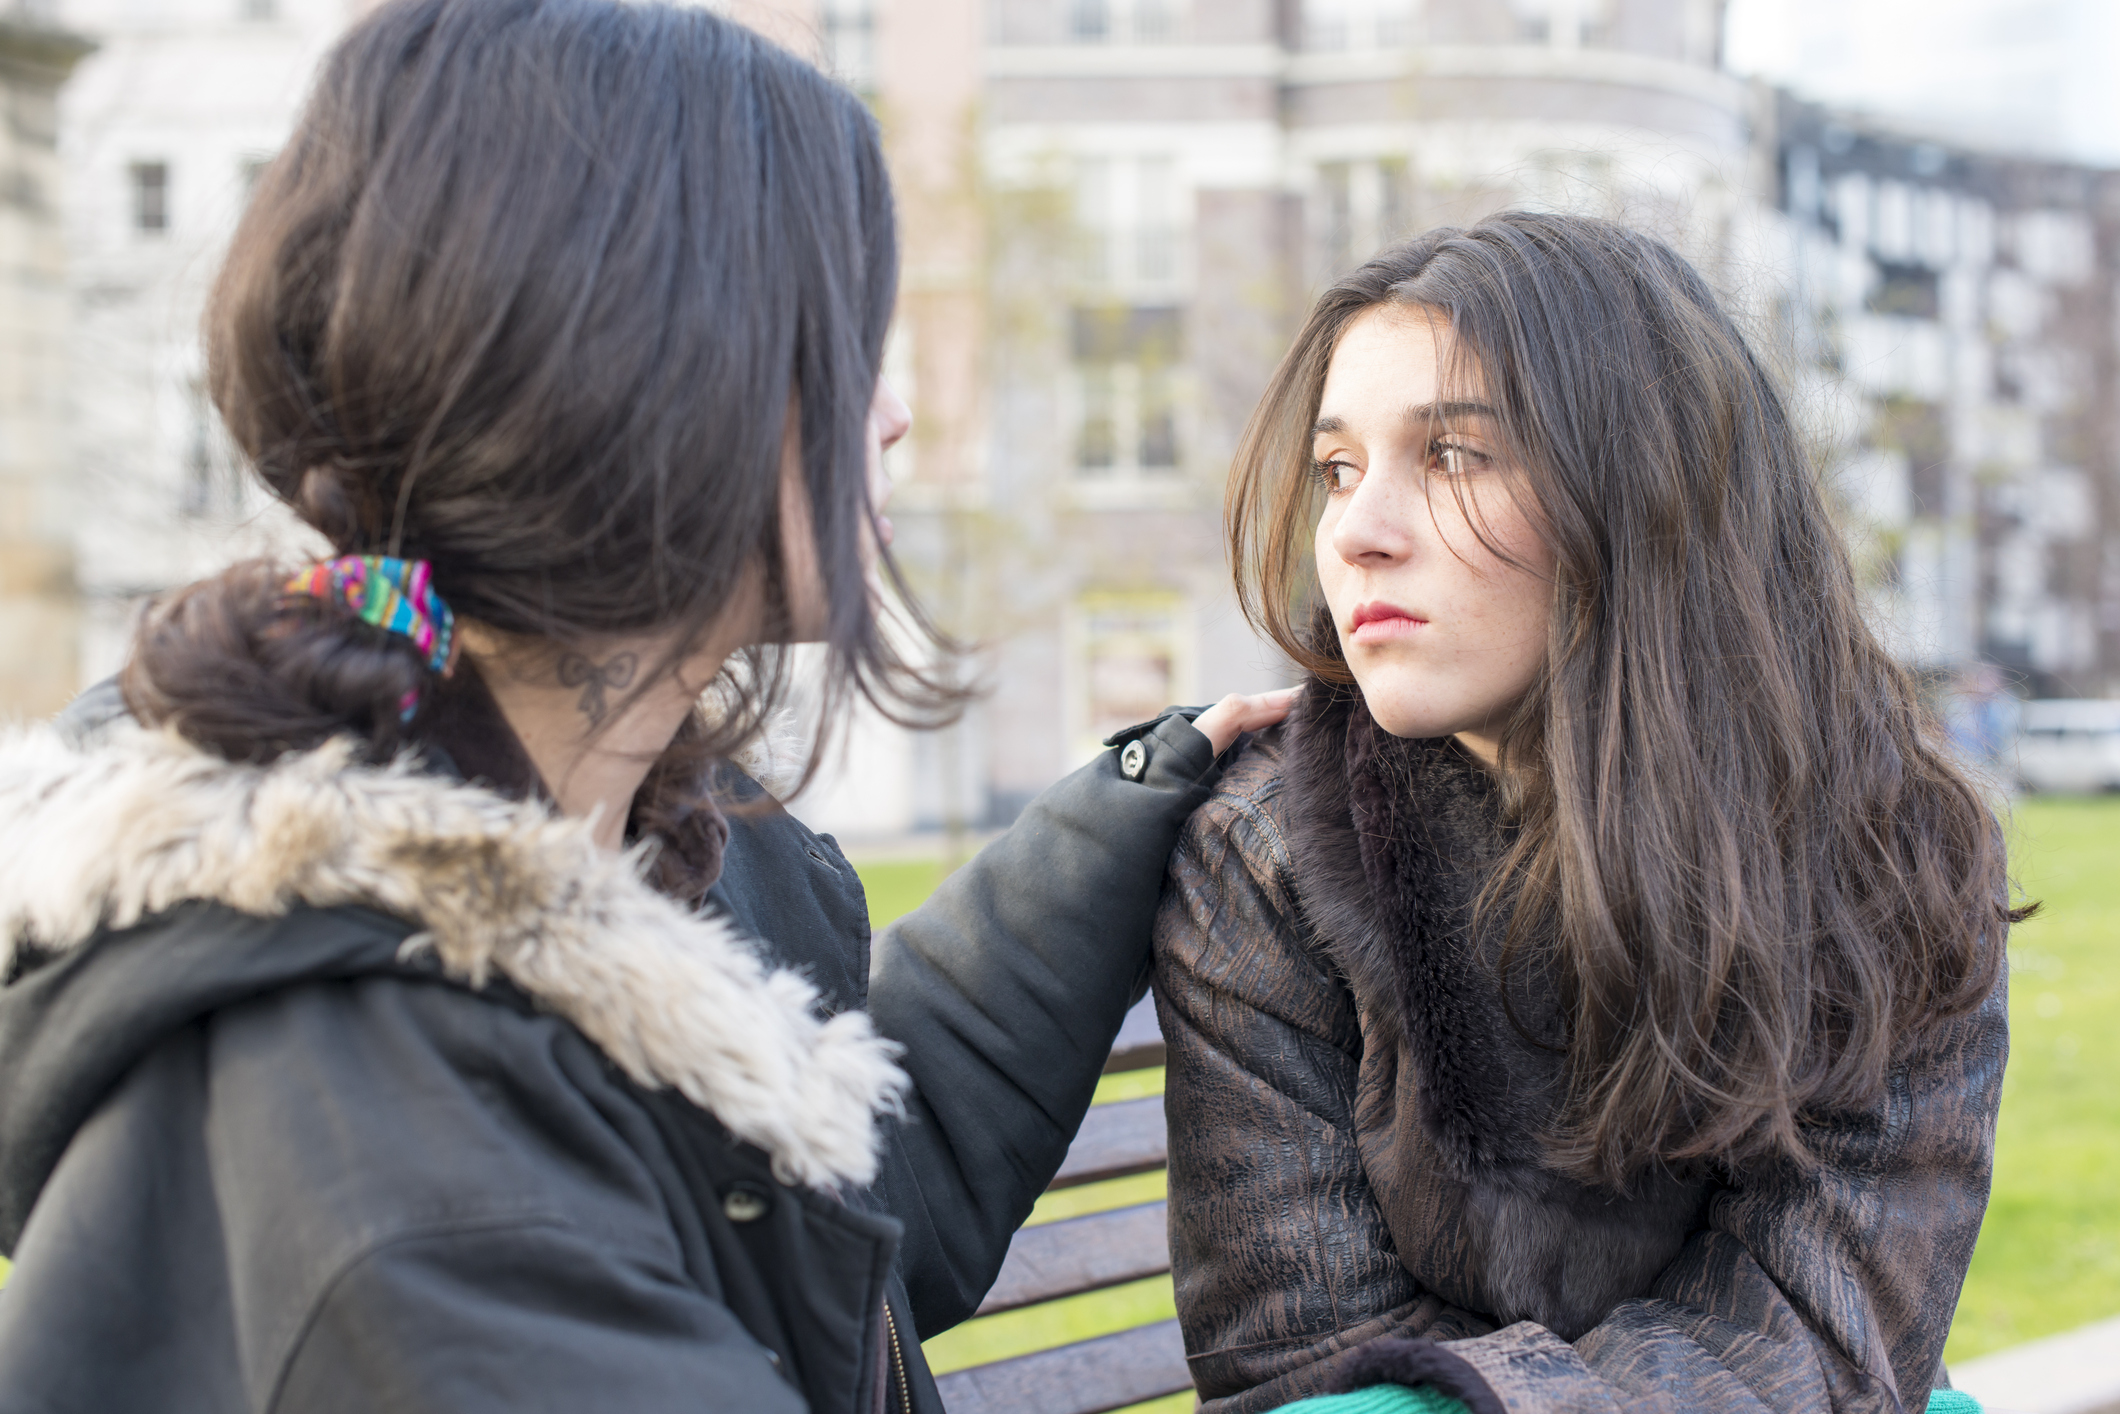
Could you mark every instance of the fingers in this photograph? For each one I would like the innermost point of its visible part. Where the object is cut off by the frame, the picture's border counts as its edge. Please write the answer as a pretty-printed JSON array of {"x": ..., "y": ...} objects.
[{"x": 1237, "y": 714}]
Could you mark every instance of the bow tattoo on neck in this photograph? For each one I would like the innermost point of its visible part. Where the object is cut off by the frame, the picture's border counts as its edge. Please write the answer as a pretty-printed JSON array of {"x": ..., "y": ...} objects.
[{"x": 594, "y": 679}]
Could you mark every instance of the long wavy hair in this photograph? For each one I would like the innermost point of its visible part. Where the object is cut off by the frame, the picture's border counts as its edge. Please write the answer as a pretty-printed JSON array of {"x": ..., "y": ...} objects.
[
  {"x": 1736, "y": 838},
  {"x": 527, "y": 295}
]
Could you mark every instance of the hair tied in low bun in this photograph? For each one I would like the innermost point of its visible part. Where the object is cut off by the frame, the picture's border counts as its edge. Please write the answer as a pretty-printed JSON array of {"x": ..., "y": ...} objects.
[{"x": 394, "y": 595}]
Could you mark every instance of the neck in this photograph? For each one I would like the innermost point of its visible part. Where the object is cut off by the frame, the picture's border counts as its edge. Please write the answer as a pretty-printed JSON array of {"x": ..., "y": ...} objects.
[
  {"x": 590, "y": 730},
  {"x": 1484, "y": 747}
]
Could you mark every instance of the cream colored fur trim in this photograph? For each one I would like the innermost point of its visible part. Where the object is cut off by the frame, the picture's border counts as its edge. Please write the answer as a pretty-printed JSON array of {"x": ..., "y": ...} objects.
[
  {"x": 776, "y": 756},
  {"x": 141, "y": 821}
]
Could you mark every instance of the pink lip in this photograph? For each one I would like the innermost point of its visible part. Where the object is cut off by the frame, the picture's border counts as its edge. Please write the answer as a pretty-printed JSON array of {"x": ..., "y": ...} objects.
[{"x": 1377, "y": 622}]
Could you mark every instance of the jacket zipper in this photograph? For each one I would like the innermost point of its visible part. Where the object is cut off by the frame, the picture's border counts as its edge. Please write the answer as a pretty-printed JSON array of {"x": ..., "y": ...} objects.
[{"x": 905, "y": 1389}]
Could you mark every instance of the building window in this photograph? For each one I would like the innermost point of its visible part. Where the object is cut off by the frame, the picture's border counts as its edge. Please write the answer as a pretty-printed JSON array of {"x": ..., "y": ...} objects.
[
  {"x": 1910, "y": 291},
  {"x": 1362, "y": 207},
  {"x": 1130, "y": 656},
  {"x": 1130, "y": 218},
  {"x": 1127, "y": 376},
  {"x": 1358, "y": 24},
  {"x": 1123, "y": 21},
  {"x": 850, "y": 42},
  {"x": 1154, "y": 20},
  {"x": 1564, "y": 24},
  {"x": 1097, "y": 437},
  {"x": 1156, "y": 408},
  {"x": 150, "y": 196}
]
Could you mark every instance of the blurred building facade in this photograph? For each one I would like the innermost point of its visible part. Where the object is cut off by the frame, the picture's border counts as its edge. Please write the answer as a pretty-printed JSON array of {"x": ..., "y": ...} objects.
[
  {"x": 162, "y": 131},
  {"x": 1155, "y": 190},
  {"x": 1953, "y": 321},
  {"x": 40, "y": 614},
  {"x": 1115, "y": 212}
]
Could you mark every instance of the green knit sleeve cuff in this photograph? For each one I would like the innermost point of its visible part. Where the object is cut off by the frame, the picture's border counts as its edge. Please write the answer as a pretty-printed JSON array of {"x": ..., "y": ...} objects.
[
  {"x": 1392, "y": 1399},
  {"x": 1952, "y": 1401}
]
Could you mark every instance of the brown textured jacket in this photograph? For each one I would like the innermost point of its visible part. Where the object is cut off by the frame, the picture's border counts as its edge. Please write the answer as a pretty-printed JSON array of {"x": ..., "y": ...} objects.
[{"x": 1353, "y": 1138}]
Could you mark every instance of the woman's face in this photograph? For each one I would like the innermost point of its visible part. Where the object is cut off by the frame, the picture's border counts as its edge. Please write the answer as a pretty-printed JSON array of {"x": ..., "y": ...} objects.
[{"x": 1443, "y": 635}]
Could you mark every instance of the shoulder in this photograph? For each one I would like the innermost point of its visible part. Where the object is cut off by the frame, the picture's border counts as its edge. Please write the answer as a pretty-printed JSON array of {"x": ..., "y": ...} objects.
[
  {"x": 1249, "y": 808},
  {"x": 411, "y": 1175},
  {"x": 1242, "y": 830},
  {"x": 795, "y": 891},
  {"x": 91, "y": 713},
  {"x": 1236, "y": 953},
  {"x": 413, "y": 1103},
  {"x": 490, "y": 888}
]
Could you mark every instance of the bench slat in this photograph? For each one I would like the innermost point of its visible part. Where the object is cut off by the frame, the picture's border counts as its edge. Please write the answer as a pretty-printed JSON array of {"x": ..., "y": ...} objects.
[
  {"x": 1139, "y": 1044},
  {"x": 1116, "y": 1140},
  {"x": 1090, "y": 1377},
  {"x": 1082, "y": 1254}
]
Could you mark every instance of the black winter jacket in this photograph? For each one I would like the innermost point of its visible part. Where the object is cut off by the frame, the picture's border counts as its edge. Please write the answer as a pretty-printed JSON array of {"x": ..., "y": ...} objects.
[{"x": 328, "y": 1088}]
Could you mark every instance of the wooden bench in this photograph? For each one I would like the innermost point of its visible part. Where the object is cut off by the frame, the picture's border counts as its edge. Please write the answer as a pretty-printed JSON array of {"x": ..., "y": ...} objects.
[{"x": 1077, "y": 1255}]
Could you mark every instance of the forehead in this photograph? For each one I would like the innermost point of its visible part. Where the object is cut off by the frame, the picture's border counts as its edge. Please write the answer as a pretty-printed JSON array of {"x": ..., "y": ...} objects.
[{"x": 1390, "y": 358}]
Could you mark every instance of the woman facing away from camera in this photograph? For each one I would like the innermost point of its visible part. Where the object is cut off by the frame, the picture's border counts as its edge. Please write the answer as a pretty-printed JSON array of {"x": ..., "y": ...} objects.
[
  {"x": 364, "y": 1044},
  {"x": 1591, "y": 998}
]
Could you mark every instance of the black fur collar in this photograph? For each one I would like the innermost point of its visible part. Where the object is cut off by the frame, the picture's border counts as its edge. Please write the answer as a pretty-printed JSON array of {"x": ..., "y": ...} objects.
[
  {"x": 1391, "y": 841},
  {"x": 1394, "y": 838}
]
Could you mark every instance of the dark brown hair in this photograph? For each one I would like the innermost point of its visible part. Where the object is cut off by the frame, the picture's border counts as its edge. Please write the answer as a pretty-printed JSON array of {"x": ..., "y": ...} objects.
[
  {"x": 1738, "y": 841},
  {"x": 526, "y": 295}
]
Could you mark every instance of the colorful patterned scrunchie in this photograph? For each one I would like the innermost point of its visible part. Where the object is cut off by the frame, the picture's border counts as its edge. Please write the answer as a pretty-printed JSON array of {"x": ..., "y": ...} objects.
[{"x": 396, "y": 596}]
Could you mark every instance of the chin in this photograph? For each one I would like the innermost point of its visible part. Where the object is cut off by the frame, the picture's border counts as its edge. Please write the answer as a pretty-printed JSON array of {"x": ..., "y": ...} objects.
[
  {"x": 1405, "y": 719},
  {"x": 1414, "y": 728}
]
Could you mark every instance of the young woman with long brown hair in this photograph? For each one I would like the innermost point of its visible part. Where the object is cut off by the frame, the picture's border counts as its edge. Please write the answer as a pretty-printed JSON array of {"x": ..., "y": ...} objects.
[
  {"x": 379, "y": 1026},
  {"x": 1591, "y": 998}
]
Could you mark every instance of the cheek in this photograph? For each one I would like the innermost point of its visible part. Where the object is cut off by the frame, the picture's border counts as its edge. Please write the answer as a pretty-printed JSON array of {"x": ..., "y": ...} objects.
[
  {"x": 1529, "y": 606},
  {"x": 1331, "y": 568},
  {"x": 1520, "y": 607}
]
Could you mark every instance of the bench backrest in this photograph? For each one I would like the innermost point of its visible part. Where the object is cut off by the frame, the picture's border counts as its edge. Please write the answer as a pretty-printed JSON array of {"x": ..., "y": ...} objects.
[{"x": 1077, "y": 1255}]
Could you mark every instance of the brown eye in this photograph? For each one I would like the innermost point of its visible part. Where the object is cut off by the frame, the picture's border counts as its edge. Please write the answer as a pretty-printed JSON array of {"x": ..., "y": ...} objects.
[
  {"x": 1456, "y": 459},
  {"x": 1335, "y": 475}
]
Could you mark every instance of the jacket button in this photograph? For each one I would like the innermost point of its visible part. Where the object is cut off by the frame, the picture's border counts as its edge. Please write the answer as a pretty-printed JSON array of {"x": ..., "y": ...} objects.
[
  {"x": 1133, "y": 762},
  {"x": 745, "y": 1205}
]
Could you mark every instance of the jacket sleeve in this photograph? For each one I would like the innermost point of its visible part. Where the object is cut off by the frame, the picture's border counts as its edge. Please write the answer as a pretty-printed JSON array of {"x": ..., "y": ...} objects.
[
  {"x": 1006, "y": 989},
  {"x": 1825, "y": 1288}
]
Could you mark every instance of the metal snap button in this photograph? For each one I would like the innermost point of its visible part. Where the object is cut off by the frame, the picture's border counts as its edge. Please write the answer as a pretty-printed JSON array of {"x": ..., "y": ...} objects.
[
  {"x": 1133, "y": 762},
  {"x": 745, "y": 1205}
]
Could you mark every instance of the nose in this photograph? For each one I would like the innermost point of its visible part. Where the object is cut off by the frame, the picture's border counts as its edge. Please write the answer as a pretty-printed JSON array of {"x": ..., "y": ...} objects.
[
  {"x": 1380, "y": 521},
  {"x": 892, "y": 417}
]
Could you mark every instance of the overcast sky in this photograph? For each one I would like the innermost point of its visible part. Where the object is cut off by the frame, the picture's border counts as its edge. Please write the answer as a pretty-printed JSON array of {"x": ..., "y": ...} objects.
[{"x": 2017, "y": 75}]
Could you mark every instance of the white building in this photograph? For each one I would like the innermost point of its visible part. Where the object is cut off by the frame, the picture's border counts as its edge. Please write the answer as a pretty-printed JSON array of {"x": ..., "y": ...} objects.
[
  {"x": 39, "y": 601},
  {"x": 162, "y": 131}
]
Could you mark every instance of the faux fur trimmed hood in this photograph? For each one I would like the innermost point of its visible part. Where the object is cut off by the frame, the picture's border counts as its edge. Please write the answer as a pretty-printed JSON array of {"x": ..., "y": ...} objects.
[{"x": 100, "y": 835}]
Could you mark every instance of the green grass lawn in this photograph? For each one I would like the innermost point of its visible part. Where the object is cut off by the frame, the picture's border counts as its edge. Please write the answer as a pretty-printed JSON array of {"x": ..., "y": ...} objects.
[{"x": 2049, "y": 1254}]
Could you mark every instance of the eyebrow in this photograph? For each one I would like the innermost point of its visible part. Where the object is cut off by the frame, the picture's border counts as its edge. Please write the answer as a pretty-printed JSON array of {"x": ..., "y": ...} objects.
[{"x": 1425, "y": 412}]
